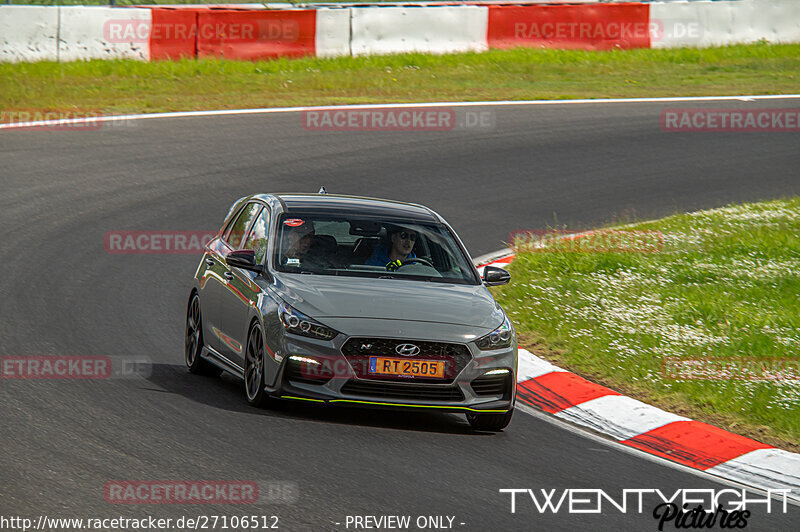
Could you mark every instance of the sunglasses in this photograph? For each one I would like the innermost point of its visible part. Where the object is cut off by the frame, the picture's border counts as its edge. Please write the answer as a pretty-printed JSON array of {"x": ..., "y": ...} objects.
[{"x": 408, "y": 236}]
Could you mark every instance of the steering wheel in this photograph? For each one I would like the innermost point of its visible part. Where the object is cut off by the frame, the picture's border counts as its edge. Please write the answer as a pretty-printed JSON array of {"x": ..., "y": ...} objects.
[{"x": 412, "y": 260}]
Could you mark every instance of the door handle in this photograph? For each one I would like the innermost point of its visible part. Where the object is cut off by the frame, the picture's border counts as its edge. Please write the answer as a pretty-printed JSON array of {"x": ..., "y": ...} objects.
[
  {"x": 210, "y": 262},
  {"x": 228, "y": 276}
]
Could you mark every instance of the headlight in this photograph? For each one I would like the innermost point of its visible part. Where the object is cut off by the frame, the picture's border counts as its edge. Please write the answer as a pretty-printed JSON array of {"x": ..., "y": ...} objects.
[
  {"x": 296, "y": 322},
  {"x": 498, "y": 338}
]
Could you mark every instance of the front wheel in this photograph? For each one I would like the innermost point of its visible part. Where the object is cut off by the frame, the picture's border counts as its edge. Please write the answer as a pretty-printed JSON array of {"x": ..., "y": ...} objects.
[
  {"x": 254, "y": 368},
  {"x": 490, "y": 422}
]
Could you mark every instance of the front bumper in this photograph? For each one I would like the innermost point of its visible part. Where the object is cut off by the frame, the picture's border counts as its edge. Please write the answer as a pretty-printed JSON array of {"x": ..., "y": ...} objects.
[{"x": 344, "y": 387}]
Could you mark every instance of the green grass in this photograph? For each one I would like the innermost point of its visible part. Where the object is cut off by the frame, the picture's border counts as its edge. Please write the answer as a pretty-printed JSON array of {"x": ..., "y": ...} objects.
[
  {"x": 519, "y": 74},
  {"x": 726, "y": 284}
]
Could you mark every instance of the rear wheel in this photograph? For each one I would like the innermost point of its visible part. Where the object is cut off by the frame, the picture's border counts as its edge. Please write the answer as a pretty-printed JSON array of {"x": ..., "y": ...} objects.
[
  {"x": 193, "y": 345},
  {"x": 490, "y": 422},
  {"x": 254, "y": 368}
]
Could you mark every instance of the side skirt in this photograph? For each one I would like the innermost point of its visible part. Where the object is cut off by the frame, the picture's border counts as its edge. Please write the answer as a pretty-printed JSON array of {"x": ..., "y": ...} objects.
[{"x": 222, "y": 362}]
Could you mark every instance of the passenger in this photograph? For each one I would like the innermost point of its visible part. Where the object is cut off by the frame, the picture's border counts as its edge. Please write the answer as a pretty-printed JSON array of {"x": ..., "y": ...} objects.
[
  {"x": 298, "y": 242},
  {"x": 402, "y": 243},
  {"x": 305, "y": 250}
]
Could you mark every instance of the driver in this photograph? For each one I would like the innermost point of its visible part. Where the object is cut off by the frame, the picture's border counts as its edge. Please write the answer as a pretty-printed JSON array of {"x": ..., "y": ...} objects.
[{"x": 402, "y": 243}]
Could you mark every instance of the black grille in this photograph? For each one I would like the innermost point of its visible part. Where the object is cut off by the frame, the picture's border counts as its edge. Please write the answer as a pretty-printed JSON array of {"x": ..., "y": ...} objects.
[
  {"x": 492, "y": 384},
  {"x": 386, "y": 390},
  {"x": 359, "y": 350}
]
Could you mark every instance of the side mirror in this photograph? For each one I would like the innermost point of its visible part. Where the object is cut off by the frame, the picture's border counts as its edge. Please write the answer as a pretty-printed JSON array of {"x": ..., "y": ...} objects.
[
  {"x": 493, "y": 276},
  {"x": 244, "y": 259}
]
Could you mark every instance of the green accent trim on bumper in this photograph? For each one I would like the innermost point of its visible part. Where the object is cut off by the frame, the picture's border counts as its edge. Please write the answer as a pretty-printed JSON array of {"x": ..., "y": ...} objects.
[
  {"x": 404, "y": 405},
  {"x": 445, "y": 407},
  {"x": 301, "y": 398}
]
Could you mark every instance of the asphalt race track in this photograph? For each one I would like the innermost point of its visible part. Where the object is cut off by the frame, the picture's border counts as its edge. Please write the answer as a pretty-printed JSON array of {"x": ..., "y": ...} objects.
[{"x": 61, "y": 293}]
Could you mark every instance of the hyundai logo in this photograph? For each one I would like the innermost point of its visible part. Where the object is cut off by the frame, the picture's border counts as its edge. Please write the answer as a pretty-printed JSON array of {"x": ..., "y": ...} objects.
[{"x": 407, "y": 350}]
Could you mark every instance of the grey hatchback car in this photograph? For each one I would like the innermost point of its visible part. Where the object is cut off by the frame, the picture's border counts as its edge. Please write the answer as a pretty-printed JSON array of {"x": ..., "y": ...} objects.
[{"x": 345, "y": 300}]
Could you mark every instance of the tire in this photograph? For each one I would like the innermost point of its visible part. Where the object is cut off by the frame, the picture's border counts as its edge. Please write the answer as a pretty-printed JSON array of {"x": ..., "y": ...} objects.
[
  {"x": 193, "y": 344},
  {"x": 490, "y": 422},
  {"x": 254, "y": 368}
]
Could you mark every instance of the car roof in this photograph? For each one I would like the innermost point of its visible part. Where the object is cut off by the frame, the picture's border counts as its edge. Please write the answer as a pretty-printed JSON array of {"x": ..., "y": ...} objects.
[{"x": 332, "y": 204}]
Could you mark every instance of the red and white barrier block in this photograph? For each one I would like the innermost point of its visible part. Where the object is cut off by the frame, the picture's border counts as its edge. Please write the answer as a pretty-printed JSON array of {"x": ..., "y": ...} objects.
[
  {"x": 652, "y": 430},
  {"x": 71, "y": 33},
  {"x": 248, "y": 34}
]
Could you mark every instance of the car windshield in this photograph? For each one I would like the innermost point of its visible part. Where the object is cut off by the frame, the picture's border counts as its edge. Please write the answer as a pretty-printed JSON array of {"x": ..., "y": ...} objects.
[{"x": 358, "y": 247}]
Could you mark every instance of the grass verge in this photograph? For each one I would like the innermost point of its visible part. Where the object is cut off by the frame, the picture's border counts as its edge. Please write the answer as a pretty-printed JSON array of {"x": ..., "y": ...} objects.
[
  {"x": 722, "y": 290},
  {"x": 519, "y": 74}
]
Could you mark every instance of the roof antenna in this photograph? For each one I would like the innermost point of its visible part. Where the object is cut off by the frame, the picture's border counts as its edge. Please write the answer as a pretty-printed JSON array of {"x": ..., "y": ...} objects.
[{"x": 322, "y": 190}]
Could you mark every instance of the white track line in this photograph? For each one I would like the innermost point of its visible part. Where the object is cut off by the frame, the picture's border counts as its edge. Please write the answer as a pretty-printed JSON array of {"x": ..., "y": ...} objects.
[{"x": 504, "y": 103}]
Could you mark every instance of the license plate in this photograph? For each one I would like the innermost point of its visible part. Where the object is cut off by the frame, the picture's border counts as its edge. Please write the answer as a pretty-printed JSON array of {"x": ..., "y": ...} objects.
[{"x": 403, "y": 366}]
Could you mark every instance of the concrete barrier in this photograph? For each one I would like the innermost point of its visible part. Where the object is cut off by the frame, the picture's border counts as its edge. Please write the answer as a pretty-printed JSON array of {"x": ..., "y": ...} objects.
[
  {"x": 173, "y": 34},
  {"x": 332, "y": 32},
  {"x": 589, "y": 27},
  {"x": 703, "y": 23},
  {"x": 90, "y": 33},
  {"x": 70, "y": 33},
  {"x": 28, "y": 33},
  {"x": 254, "y": 35},
  {"x": 437, "y": 30}
]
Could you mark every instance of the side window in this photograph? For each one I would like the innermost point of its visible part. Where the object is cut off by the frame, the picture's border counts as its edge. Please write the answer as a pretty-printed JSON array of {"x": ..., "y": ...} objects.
[
  {"x": 237, "y": 231},
  {"x": 257, "y": 239}
]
